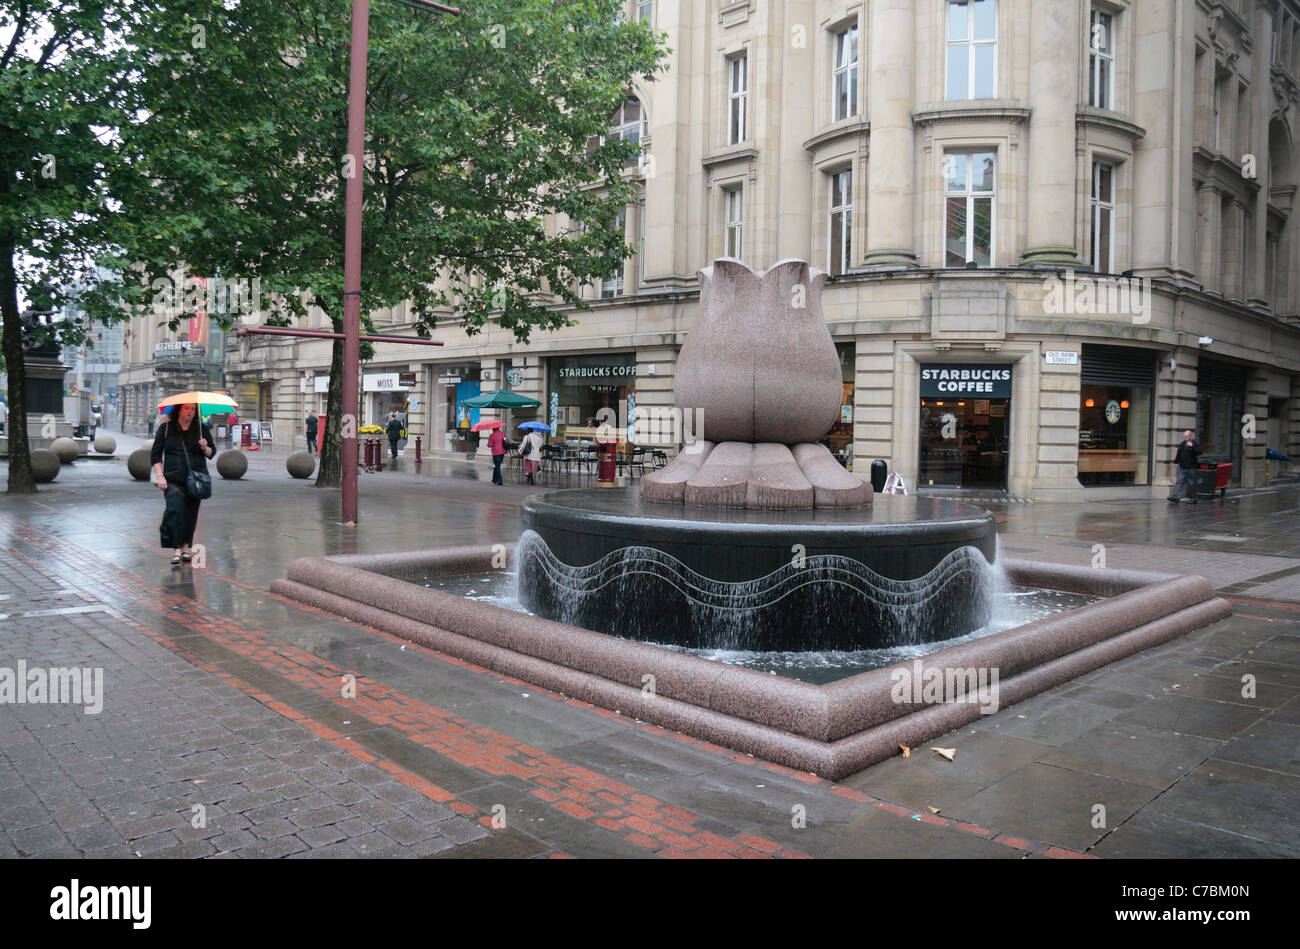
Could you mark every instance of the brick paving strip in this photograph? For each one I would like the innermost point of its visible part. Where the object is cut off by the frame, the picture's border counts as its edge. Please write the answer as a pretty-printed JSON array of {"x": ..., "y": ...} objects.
[
  {"x": 183, "y": 767},
  {"x": 660, "y": 828}
]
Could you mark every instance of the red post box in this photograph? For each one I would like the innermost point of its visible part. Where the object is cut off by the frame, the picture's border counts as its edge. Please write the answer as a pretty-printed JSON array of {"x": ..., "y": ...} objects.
[{"x": 607, "y": 464}]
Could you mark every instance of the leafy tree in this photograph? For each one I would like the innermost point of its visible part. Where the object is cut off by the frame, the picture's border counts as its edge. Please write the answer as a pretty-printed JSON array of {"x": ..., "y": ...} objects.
[
  {"x": 480, "y": 129},
  {"x": 63, "y": 86}
]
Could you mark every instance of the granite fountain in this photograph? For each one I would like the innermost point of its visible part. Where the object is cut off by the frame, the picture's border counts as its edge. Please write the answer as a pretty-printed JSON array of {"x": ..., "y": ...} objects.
[{"x": 755, "y": 537}]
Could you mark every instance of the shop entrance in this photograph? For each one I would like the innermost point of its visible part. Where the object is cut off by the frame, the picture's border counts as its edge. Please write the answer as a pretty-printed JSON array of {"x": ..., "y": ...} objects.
[
  {"x": 964, "y": 443},
  {"x": 965, "y": 426}
]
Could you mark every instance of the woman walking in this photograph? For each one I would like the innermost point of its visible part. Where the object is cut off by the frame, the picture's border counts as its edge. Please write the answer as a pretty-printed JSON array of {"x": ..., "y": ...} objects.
[
  {"x": 181, "y": 438},
  {"x": 497, "y": 442},
  {"x": 531, "y": 452}
]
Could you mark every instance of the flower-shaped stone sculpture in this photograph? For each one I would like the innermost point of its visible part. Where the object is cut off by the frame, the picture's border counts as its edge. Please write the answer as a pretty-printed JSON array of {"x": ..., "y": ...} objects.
[{"x": 761, "y": 374}]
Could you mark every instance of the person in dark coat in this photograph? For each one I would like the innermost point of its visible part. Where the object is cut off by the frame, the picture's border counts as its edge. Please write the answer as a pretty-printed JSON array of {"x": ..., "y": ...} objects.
[
  {"x": 312, "y": 423},
  {"x": 181, "y": 431},
  {"x": 394, "y": 433},
  {"x": 1189, "y": 450}
]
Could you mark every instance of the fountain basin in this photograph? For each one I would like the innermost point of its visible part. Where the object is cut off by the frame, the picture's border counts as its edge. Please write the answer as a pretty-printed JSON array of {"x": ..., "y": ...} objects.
[
  {"x": 832, "y": 730},
  {"x": 901, "y": 570}
]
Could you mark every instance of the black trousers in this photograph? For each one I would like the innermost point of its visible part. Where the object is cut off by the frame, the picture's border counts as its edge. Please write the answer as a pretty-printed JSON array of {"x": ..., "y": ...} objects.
[
  {"x": 180, "y": 517},
  {"x": 311, "y": 443}
]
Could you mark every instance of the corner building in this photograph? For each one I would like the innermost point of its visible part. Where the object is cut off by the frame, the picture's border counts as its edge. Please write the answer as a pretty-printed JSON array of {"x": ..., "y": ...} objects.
[{"x": 1059, "y": 233}]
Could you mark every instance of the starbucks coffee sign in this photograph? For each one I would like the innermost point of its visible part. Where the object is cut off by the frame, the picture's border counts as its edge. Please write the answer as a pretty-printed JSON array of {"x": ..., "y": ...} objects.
[{"x": 966, "y": 380}]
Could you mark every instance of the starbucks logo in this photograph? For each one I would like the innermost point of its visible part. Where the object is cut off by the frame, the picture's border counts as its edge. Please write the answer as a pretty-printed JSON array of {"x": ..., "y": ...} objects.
[
  {"x": 515, "y": 377},
  {"x": 1112, "y": 411}
]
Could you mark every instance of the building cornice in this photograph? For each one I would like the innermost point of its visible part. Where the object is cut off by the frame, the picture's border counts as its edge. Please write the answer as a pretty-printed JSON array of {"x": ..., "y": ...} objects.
[
  {"x": 1222, "y": 173},
  {"x": 1091, "y": 117},
  {"x": 967, "y": 110},
  {"x": 732, "y": 154},
  {"x": 837, "y": 132}
]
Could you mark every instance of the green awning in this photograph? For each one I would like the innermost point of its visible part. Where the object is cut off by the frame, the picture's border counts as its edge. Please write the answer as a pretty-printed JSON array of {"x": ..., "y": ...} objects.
[{"x": 501, "y": 399}]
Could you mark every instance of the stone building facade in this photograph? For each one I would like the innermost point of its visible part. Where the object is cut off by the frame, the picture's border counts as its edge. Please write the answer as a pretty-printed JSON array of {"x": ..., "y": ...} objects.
[{"x": 1059, "y": 233}]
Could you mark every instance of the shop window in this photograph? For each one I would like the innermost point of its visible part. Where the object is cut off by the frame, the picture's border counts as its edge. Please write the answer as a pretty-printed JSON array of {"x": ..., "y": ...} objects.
[
  {"x": 972, "y": 49},
  {"x": 841, "y": 221},
  {"x": 968, "y": 220},
  {"x": 1115, "y": 435},
  {"x": 840, "y": 438},
  {"x": 588, "y": 391},
  {"x": 844, "y": 79},
  {"x": 965, "y": 437}
]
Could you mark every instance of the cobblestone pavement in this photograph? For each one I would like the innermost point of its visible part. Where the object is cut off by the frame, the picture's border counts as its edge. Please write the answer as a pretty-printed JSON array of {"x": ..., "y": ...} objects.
[{"x": 235, "y": 723}]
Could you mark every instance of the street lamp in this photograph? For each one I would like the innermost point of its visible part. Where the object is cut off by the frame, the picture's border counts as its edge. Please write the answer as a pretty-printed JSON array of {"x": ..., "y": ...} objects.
[{"x": 352, "y": 239}]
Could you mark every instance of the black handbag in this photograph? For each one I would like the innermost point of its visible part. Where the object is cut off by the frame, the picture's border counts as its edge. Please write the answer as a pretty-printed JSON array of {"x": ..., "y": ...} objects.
[{"x": 198, "y": 484}]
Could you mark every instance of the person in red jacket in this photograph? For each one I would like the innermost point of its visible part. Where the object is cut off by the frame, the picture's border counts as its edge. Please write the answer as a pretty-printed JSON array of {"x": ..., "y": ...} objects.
[{"x": 497, "y": 442}]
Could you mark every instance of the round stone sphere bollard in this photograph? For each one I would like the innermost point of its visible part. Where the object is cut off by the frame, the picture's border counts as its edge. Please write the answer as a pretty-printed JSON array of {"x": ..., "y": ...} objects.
[
  {"x": 105, "y": 443},
  {"x": 232, "y": 465},
  {"x": 138, "y": 464},
  {"x": 65, "y": 449},
  {"x": 45, "y": 465},
  {"x": 301, "y": 464}
]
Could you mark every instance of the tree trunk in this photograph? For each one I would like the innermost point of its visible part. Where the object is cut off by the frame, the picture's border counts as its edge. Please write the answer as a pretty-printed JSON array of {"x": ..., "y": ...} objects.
[
  {"x": 20, "y": 457},
  {"x": 330, "y": 473}
]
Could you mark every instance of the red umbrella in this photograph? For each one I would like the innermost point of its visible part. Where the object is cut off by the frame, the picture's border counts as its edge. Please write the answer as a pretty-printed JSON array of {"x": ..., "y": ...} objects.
[{"x": 486, "y": 424}]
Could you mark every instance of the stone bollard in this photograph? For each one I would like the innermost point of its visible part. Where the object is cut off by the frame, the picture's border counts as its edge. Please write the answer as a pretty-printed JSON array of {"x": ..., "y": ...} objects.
[
  {"x": 301, "y": 464},
  {"x": 232, "y": 464},
  {"x": 45, "y": 465},
  {"x": 137, "y": 463}
]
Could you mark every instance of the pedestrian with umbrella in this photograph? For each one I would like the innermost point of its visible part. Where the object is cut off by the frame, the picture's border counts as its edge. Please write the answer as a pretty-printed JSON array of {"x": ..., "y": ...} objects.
[
  {"x": 497, "y": 444},
  {"x": 181, "y": 448},
  {"x": 531, "y": 449}
]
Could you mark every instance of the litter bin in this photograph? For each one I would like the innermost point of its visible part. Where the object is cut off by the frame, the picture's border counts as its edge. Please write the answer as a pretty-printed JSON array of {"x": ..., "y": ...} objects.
[
  {"x": 1212, "y": 475},
  {"x": 879, "y": 472}
]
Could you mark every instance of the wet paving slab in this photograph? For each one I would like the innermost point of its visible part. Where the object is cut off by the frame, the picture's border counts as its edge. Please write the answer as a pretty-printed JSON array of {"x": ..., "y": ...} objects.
[{"x": 1127, "y": 736}]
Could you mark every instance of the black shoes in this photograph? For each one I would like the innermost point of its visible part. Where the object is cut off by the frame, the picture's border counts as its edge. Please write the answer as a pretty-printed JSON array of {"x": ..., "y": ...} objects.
[{"x": 1172, "y": 500}]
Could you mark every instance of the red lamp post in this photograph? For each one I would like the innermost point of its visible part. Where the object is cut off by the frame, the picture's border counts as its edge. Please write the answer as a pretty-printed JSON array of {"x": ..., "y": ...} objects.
[{"x": 352, "y": 239}]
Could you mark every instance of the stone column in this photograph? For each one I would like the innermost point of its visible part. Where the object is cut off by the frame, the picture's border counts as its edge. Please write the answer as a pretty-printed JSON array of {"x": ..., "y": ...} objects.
[
  {"x": 1232, "y": 251},
  {"x": 672, "y": 171},
  {"x": 891, "y": 242},
  {"x": 1210, "y": 239},
  {"x": 1291, "y": 444},
  {"x": 1260, "y": 105},
  {"x": 1163, "y": 77},
  {"x": 1175, "y": 410},
  {"x": 1252, "y": 449},
  {"x": 1053, "y": 92}
]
